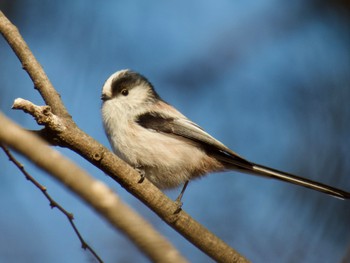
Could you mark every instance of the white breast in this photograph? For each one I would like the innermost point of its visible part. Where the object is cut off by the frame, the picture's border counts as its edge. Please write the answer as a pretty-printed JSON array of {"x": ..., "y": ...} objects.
[{"x": 167, "y": 161}]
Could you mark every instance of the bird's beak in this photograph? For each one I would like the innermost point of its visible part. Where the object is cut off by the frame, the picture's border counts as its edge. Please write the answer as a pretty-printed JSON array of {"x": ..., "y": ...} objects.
[{"x": 105, "y": 97}]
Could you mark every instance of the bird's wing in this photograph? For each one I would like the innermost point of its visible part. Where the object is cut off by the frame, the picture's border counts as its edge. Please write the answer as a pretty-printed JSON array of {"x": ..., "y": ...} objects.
[{"x": 185, "y": 129}]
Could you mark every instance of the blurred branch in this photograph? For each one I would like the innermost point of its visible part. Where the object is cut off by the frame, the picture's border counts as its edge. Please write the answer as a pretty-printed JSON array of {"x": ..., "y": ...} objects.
[
  {"x": 67, "y": 134},
  {"x": 53, "y": 203},
  {"x": 93, "y": 192},
  {"x": 346, "y": 258}
]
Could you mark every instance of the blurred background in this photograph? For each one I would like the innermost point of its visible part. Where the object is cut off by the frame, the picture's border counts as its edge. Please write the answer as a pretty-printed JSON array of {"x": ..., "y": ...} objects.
[{"x": 268, "y": 78}]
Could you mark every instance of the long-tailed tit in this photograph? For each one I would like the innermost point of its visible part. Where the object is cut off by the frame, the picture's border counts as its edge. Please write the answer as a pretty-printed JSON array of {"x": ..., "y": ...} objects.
[{"x": 165, "y": 146}]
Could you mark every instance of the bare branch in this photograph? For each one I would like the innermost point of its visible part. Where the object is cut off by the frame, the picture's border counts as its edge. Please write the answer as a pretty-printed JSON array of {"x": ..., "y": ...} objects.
[
  {"x": 75, "y": 139},
  {"x": 42, "y": 114},
  {"x": 93, "y": 192},
  {"x": 52, "y": 202},
  {"x": 32, "y": 66}
]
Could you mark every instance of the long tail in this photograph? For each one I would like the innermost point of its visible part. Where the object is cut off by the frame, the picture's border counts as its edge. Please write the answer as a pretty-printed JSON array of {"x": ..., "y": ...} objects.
[
  {"x": 272, "y": 173},
  {"x": 232, "y": 161}
]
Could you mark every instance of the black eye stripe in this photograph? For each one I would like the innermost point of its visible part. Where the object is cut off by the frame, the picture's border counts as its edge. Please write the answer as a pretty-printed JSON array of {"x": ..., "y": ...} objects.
[
  {"x": 127, "y": 81},
  {"x": 121, "y": 85}
]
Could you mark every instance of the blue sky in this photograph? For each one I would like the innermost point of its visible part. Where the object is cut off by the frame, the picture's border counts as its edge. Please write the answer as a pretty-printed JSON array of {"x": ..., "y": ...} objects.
[{"x": 270, "y": 79}]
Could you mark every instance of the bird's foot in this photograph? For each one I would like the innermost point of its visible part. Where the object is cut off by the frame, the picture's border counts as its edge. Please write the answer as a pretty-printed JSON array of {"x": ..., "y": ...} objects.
[
  {"x": 141, "y": 172},
  {"x": 178, "y": 201}
]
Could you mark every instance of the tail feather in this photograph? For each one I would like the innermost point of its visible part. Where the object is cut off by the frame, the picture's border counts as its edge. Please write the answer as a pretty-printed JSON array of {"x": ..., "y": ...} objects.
[
  {"x": 272, "y": 173},
  {"x": 232, "y": 161}
]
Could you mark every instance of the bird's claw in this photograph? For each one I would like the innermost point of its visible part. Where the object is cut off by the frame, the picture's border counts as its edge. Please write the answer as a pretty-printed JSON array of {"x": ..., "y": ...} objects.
[
  {"x": 178, "y": 204},
  {"x": 142, "y": 174}
]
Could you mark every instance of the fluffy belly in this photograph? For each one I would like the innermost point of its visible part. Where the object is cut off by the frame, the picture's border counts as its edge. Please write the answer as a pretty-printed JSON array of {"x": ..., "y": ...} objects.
[{"x": 167, "y": 161}]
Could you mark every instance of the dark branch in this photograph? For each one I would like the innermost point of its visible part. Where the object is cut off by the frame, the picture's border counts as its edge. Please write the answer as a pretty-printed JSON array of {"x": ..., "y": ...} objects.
[{"x": 52, "y": 202}]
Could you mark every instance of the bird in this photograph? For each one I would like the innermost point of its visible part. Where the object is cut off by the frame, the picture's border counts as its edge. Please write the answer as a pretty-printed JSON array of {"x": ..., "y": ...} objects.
[{"x": 166, "y": 147}]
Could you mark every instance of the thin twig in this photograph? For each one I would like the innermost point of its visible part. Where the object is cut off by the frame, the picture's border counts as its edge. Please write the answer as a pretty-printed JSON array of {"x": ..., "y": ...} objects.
[
  {"x": 95, "y": 193},
  {"x": 53, "y": 203}
]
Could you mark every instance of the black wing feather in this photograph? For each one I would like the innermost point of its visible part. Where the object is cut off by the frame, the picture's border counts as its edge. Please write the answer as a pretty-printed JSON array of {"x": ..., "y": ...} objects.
[{"x": 184, "y": 128}]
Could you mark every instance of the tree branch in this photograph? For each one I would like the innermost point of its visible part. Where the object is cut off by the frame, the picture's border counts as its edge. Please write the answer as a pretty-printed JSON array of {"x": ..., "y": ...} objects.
[
  {"x": 32, "y": 66},
  {"x": 72, "y": 137},
  {"x": 93, "y": 192},
  {"x": 52, "y": 202}
]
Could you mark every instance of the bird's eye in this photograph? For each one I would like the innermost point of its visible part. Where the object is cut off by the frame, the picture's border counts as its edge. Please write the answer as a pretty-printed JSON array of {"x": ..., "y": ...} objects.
[{"x": 124, "y": 92}]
